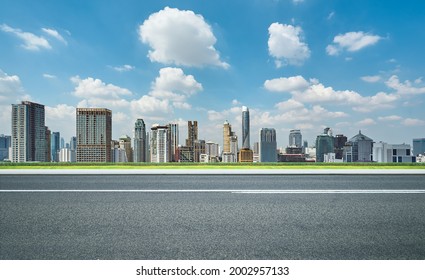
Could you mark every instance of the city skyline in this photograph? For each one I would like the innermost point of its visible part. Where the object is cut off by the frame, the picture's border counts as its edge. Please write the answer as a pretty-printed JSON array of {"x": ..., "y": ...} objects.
[{"x": 349, "y": 65}]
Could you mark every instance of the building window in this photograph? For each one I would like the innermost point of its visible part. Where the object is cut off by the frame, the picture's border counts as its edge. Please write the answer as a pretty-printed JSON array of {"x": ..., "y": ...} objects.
[
  {"x": 399, "y": 159},
  {"x": 394, "y": 159},
  {"x": 394, "y": 152},
  {"x": 407, "y": 152}
]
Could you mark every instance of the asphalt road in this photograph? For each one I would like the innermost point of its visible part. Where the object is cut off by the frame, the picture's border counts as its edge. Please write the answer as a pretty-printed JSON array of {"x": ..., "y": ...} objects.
[{"x": 215, "y": 217}]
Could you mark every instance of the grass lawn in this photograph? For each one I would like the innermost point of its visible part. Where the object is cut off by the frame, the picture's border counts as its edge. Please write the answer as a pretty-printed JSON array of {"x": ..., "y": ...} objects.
[{"x": 43, "y": 165}]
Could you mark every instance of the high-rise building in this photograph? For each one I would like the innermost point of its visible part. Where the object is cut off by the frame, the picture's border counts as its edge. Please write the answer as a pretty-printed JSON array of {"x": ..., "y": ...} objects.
[
  {"x": 339, "y": 143},
  {"x": 5, "y": 144},
  {"x": 324, "y": 144},
  {"x": 295, "y": 138},
  {"x": 267, "y": 145},
  {"x": 28, "y": 132},
  {"x": 245, "y": 154},
  {"x": 212, "y": 149},
  {"x": 125, "y": 144},
  {"x": 139, "y": 141},
  {"x": 94, "y": 134},
  {"x": 55, "y": 146},
  {"x": 358, "y": 148},
  {"x": 234, "y": 146},
  {"x": 192, "y": 133},
  {"x": 419, "y": 146},
  {"x": 48, "y": 145},
  {"x": 199, "y": 149},
  {"x": 227, "y": 132},
  {"x": 245, "y": 128},
  {"x": 173, "y": 136},
  {"x": 159, "y": 144}
]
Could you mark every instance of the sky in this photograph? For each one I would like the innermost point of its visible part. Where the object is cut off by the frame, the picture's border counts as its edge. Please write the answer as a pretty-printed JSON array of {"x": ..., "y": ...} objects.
[{"x": 296, "y": 64}]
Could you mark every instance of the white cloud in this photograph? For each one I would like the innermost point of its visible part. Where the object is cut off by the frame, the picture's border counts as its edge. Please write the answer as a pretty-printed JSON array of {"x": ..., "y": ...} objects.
[
  {"x": 235, "y": 102},
  {"x": 390, "y": 118},
  {"x": 289, "y": 105},
  {"x": 10, "y": 88},
  {"x": 181, "y": 38},
  {"x": 366, "y": 122},
  {"x": 371, "y": 79},
  {"x": 49, "y": 76},
  {"x": 31, "y": 41},
  {"x": 123, "y": 68},
  {"x": 91, "y": 88},
  {"x": 413, "y": 122},
  {"x": 55, "y": 34},
  {"x": 351, "y": 42},
  {"x": 297, "y": 1},
  {"x": 173, "y": 85},
  {"x": 405, "y": 88},
  {"x": 331, "y": 15},
  {"x": 381, "y": 100},
  {"x": 174, "y": 79},
  {"x": 286, "y": 84},
  {"x": 315, "y": 92},
  {"x": 149, "y": 105},
  {"x": 286, "y": 44}
]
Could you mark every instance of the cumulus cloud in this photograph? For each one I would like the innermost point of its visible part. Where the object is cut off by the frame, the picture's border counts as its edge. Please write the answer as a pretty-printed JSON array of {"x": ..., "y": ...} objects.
[
  {"x": 11, "y": 89},
  {"x": 150, "y": 105},
  {"x": 366, "y": 122},
  {"x": 286, "y": 84},
  {"x": 31, "y": 41},
  {"x": 413, "y": 122},
  {"x": 286, "y": 44},
  {"x": 351, "y": 42},
  {"x": 180, "y": 37},
  {"x": 289, "y": 105},
  {"x": 175, "y": 86},
  {"x": 49, "y": 76},
  {"x": 405, "y": 88},
  {"x": 91, "y": 88},
  {"x": 315, "y": 92}
]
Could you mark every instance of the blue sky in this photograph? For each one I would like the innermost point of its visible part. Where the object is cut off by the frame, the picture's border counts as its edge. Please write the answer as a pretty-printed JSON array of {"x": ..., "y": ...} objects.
[{"x": 348, "y": 65}]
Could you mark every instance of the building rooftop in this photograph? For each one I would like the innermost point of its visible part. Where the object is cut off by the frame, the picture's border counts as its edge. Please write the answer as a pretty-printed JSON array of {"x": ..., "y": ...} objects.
[{"x": 360, "y": 137}]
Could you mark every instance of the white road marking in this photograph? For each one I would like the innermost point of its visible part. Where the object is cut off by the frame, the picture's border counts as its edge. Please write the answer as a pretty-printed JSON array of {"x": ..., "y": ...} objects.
[{"x": 246, "y": 191}]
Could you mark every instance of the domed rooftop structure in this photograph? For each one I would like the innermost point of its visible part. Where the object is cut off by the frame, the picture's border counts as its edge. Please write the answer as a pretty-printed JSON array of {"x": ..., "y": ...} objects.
[{"x": 360, "y": 137}]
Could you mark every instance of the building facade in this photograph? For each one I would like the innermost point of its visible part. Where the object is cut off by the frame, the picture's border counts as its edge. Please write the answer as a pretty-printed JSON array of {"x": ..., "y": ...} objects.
[
  {"x": 28, "y": 132},
  {"x": 5, "y": 146},
  {"x": 173, "y": 135},
  {"x": 419, "y": 146},
  {"x": 139, "y": 141},
  {"x": 245, "y": 128},
  {"x": 324, "y": 144},
  {"x": 94, "y": 134},
  {"x": 55, "y": 146},
  {"x": 125, "y": 144},
  {"x": 267, "y": 145},
  {"x": 295, "y": 138},
  {"x": 383, "y": 152},
  {"x": 358, "y": 149},
  {"x": 159, "y": 144}
]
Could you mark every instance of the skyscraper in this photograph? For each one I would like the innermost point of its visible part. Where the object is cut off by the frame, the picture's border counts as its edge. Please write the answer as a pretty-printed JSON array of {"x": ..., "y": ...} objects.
[
  {"x": 55, "y": 146},
  {"x": 268, "y": 145},
  {"x": 28, "y": 132},
  {"x": 159, "y": 144},
  {"x": 94, "y": 134},
  {"x": 227, "y": 132},
  {"x": 245, "y": 154},
  {"x": 139, "y": 141},
  {"x": 173, "y": 136},
  {"x": 324, "y": 144},
  {"x": 295, "y": 138},
  {"x": 245, "y": 128}
]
